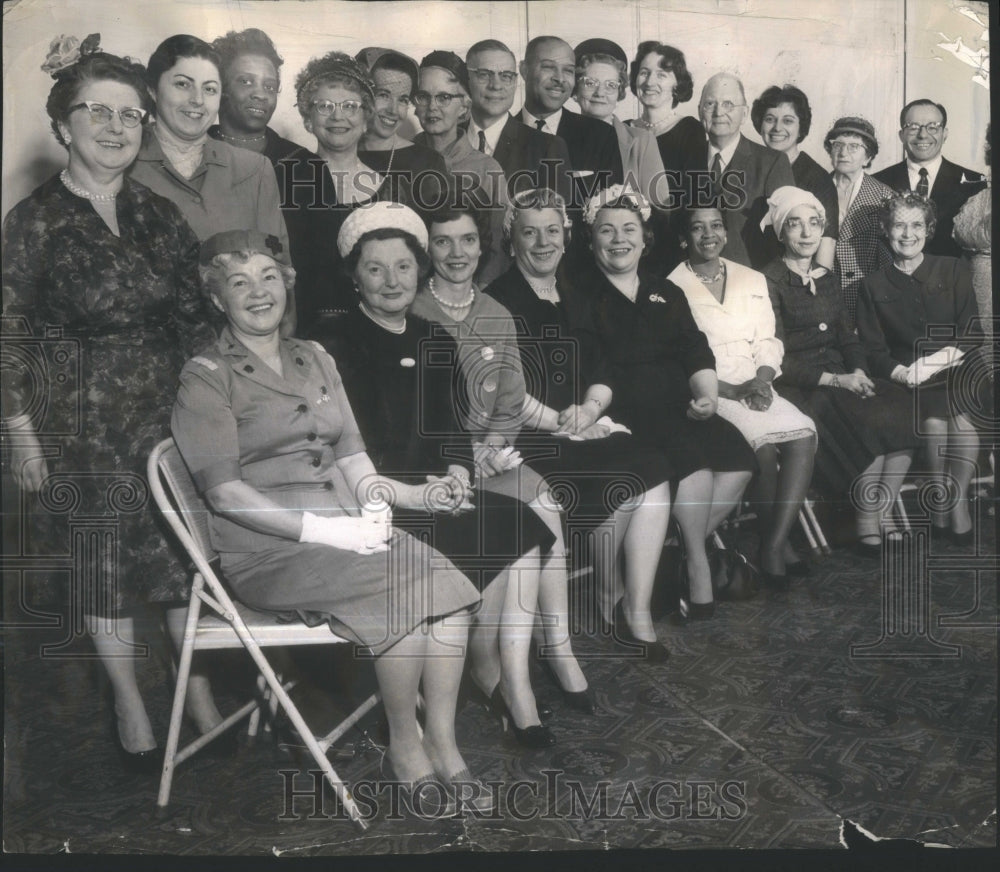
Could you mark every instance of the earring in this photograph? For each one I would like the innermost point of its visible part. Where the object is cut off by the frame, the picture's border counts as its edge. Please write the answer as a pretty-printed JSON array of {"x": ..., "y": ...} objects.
[{"x": 684, "y": 243}]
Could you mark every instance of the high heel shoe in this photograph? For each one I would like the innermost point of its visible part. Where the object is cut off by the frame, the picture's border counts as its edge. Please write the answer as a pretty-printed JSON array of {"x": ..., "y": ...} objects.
[
  {"x": 137, "y": 762},
  {"x": 580, "y": 700},
  {"x": 470, "y": 793},
  {"x": 535, "y": 736},
  {"x": 653, "y": 652},
  {"x": 694, "y": 611},
  {"x": 472, "y": 692},
  {"x": 426, "y": 797}
]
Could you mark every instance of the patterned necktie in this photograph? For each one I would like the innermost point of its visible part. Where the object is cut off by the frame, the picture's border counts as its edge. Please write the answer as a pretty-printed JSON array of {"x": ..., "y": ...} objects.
[
  {"x": 923, "y": 188},
  {"x": 717, "y": 177},
  {"x": 482, "y": 142},
  {"x": 540, "y": 124}
]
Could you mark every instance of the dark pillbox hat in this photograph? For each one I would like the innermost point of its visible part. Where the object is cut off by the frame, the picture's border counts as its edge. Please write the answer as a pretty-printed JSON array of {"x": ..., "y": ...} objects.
[
  {"x": 600, "y": 46},
  {"x": 448, "y": 60},
  {"x": 242, "y": 240}
]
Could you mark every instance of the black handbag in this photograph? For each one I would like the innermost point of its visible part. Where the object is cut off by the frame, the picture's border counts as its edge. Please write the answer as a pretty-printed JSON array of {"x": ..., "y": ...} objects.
[{"x": 734, "y": 577}]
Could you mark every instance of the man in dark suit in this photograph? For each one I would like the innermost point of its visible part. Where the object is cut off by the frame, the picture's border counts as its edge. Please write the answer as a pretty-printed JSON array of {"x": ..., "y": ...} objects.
[
  {"x": 744, "y": 174},
  {"x": 530, "y": 158},
  {"x": 923, "y": 129},
  {"x": 549, "y": 73}
]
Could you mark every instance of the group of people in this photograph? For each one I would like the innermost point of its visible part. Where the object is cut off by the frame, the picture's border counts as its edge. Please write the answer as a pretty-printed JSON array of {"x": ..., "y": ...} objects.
[{"x": 414, "y": 373}]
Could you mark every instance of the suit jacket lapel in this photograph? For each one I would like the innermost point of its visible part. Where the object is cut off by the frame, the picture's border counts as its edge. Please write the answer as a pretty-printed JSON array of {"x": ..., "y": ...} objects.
[{"x": 507, "y": 141}]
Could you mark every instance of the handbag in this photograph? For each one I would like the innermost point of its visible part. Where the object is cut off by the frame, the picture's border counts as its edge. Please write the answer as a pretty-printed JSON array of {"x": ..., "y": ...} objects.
[{"x": 734, "y": 577}]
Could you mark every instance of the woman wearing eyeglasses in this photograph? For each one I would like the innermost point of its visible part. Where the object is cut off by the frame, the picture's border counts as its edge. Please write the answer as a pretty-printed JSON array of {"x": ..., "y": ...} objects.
[
  {"x": 861, "y": 248},
  {"x": 114, "y": 267},
  {"x": 442, "y": 104}
]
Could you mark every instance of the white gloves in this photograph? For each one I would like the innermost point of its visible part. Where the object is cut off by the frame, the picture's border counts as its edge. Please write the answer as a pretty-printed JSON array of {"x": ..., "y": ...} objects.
[
  {"x": 926, "y": 367},
  {"x": 363, "y": 535}
]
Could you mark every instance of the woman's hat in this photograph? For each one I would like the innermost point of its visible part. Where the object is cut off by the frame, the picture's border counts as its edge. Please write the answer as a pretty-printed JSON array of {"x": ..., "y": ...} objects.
[
  {"x": 242, "y": 240},
  {"x": 377, "y": 216},
  {"x": 600, "y": 46},
  {"x": 783, "y": 200},
  {"x": 372, "y": 57},
  {"x": 855, "y": 126},
  {"x": 448, "y": 60}
]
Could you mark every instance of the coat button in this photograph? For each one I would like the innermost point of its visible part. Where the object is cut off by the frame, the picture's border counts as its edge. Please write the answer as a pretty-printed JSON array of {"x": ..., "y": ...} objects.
[
  {"x": 489, "y": 385},
  {"x": 301, "y": 407},
  {"x": 850, "y": 275},
  {"x": 328, "y": 485},
  {"x": 248, "y": 368},
  {"x": 822, "y": 325},
  {"x": 316, "y": 461},
  {"x": 299, "y": 361},
  {"x": 311, "y": 437}
]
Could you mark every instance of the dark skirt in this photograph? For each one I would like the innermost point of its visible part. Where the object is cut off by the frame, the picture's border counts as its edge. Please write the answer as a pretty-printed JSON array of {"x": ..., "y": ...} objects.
[
  {"x": 594, "y": 478},
  {"x": 482, "y": 543},
  {"x": 853, "y": 431},
  {"x": 691, "y": 445},
  {"x": 375, "y": 600}
]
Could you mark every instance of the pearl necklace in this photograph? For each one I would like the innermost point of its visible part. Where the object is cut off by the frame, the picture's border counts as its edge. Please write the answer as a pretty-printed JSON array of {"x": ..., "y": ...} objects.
[
  {"x": 74, "y": 188},
  {"x": 464, "y": 304},
  {"x": 721, "y": 274},
  {"x": 400, "y": 330},
  {"x": 242, "y": 139}
]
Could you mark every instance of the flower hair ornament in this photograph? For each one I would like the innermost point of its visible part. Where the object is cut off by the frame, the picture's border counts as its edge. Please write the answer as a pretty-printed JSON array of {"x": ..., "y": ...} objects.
[
  {"x": 64, "y": 51},
  {"x": 610, "y": 195}
]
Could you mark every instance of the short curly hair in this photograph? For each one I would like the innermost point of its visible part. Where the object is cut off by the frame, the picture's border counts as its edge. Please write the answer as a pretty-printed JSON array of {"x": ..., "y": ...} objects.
[
  {"x": 907, "y": 200},
  {"x": 97, "y": 67},
  {"x": 671, "y": 60},
  {"x": 333, "y": 68},
  {"x": 773, "y": 97},
  {"x": 213, "y": 273},
  {"x": 536, "y": 199},
  {"x": 251, "y": 41},
  {"x": 586, "y": 60},
  {"x": 457, "y": 207},
  {"x": 627, "y": 202}
]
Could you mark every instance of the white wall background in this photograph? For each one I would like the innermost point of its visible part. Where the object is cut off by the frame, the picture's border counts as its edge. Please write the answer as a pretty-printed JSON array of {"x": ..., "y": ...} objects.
[{"x": 850, "y": 56}]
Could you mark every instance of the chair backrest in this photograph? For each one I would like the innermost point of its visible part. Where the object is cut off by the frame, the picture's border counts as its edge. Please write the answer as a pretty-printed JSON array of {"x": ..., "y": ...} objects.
[{"x": 180, "y": 502}]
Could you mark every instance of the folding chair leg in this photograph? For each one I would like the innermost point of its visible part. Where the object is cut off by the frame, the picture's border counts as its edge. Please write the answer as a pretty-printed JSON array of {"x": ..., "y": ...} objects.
[
  {"x": 255, "y": 717},
  {"x": 813, "y": 544},
  {"x": 180, "y": 692},
  {"x": 807, "y": 507},
  {"x": 904, "y": 519}
]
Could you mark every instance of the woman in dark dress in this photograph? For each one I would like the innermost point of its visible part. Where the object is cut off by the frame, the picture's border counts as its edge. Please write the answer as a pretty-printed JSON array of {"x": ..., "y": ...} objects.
[
  {"x": 266, "y": 429},
  {"x": 864, "y": 425},
  {"x": 112, "y": 266},
  {"x": 610, "y": 480},
  {"x": 400, "y": 374},
  {"x": 897, "y": 306},
  {"x": 665, "y": 388},
  {"x": 782, "y": 117}
]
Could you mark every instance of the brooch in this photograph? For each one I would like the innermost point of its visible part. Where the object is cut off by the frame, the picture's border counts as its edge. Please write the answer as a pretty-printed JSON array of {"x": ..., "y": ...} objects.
[{"x": 656, "y": 298}]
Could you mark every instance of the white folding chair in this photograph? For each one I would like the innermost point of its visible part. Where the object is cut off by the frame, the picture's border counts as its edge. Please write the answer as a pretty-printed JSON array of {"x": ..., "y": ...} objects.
[{"x": 232, "y": 625}]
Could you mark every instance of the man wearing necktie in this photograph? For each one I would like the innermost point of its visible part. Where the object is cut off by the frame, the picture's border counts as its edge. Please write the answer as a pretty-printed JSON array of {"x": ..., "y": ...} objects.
[
  {"x": 923, "y": 129},
  {"x": 743, "y": 173},
  {"x": 529, "y": 157}
]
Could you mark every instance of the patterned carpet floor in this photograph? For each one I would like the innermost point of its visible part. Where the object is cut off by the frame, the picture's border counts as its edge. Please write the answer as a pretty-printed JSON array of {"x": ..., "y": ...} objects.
[{"x": 846, "y": 697}]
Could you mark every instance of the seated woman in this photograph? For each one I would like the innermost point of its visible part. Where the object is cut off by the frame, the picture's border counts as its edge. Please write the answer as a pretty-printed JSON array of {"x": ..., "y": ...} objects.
[
  {"x": 782, "y": 117},
  {"x": 268, "y": 434},
  {"x": 565, "y": 437},
  {"x": 492, "y": 389},
  {"x": 896, "y": 307},
  {"x": 662, "y": 373},
  {"x": 865, "y": 425},
  {"x": 601, "y": 81},
  {"x": 398, "y": 377},
  {"x": 730, "y": 304}
]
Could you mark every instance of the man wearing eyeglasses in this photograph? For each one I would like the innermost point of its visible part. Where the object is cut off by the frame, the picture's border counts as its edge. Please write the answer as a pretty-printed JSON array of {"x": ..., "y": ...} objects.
[
  {"x": 529, "y": 157},
  {"x": 743, "y": 173},
  {"x": 441, "y": 102},
  {"x": 549, "y": 73},
  {"x": 923, "y": 129}
]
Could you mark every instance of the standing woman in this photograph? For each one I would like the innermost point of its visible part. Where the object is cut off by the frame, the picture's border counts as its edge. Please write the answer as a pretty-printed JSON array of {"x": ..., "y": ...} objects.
[
  {"x": 114, "y": 266},
  {"x": 782, "y": 117},
  {"x": 861, "y": 249},
  {"x": 662, "y": 373},
  {"x": 865, "y": 425},
  {"x": 215, "y": 185},
  {"x": 731, "y": 306}
]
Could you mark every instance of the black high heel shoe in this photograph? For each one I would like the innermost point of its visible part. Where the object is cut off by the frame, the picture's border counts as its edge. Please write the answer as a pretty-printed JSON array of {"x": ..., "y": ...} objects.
[
  {"x": 653, "y": 652},
  {"x": 137, "y": 762},
  {"x": 469, "y": 691},
  {"x": 535, "y": 736},
  {"x": 580, "y": 700}
]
